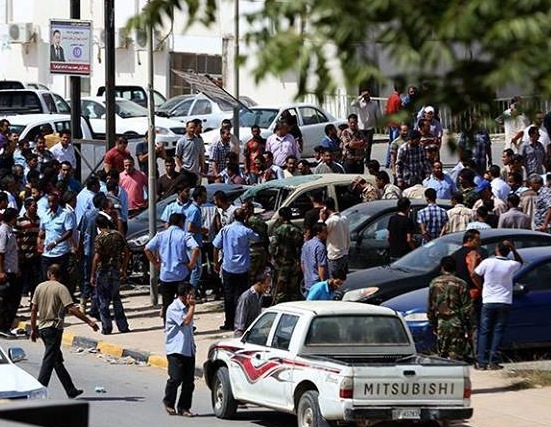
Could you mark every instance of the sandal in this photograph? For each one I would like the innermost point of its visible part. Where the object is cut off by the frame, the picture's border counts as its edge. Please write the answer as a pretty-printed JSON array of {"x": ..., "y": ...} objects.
[
  {"x": 187, "y": 413},
  {"x": 170, "y": 411}
]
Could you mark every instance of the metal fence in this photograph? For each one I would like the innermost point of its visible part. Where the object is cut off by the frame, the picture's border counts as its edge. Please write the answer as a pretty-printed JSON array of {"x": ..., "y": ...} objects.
[{"x": 339, "y": 105}]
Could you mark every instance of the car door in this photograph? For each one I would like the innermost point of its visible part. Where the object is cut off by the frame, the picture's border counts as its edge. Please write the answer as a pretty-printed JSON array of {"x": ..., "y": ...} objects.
[
  {"x": 181, "y": 112},
  {"x": 529, "y": 320},
  {"x": 371, "y": 246},
  {"x": 313, "y": 127},
  {"x": 250, "y": 365},
  {"x": 277, "y": 385},
  {"x": 96, "y": 115}
]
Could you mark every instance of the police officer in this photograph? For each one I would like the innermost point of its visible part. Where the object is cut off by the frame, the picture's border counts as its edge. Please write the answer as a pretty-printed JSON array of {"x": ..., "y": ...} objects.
[
  {"x": 258, "y": 250},
  {"x": 285, "y": 249}
]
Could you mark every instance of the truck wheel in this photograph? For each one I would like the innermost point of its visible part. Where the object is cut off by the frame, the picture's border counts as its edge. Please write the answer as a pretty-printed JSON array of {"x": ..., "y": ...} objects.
[
  {"x": 223, "y": 403},
  {"x": 308, "y": 413}
]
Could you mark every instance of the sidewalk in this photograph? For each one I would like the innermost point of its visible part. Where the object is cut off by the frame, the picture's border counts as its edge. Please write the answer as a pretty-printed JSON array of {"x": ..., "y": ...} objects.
[{"x": 496, "y": 400}]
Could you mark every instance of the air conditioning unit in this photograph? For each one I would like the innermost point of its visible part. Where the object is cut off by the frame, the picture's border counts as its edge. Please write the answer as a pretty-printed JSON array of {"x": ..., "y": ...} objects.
[
  {"x": 123, "y": 39},
  {"x": 140, "y": 40},
  {"x": 21, "y": 33}
]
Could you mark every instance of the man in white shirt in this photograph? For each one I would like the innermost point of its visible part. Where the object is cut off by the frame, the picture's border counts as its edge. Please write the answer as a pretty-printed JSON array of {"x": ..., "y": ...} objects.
[
  {"x": 543, "y": 135},
  {"x": 513, "y": 122},
  {"x": 497, "y": 296},
  {"x": 64, "y": 150},
  {"x": 282, "y": 144},
  {"x": 338, "y": 238},
  {"x": 500, "y": 188},
  {"x": 368, "y": 114}
]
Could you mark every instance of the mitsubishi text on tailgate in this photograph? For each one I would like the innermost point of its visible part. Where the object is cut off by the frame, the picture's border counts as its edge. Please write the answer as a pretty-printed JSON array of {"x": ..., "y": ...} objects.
[{"x": 333, "y": 362}]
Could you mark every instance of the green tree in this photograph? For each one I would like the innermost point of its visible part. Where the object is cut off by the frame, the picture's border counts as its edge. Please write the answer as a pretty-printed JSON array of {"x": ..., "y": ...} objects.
[{"x": 466, "y": 49}]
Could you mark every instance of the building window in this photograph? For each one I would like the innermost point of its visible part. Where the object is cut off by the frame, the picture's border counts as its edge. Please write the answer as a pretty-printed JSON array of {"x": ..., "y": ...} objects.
[{"x": 192, "y": 62}]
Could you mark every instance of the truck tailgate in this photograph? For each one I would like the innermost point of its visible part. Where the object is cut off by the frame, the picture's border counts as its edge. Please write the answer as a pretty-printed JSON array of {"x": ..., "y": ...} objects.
[{"x": 409, "y": 384}]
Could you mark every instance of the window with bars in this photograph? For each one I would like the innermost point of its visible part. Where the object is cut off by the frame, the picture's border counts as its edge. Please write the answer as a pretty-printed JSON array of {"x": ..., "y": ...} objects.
[{"x": 194, "y": 62}]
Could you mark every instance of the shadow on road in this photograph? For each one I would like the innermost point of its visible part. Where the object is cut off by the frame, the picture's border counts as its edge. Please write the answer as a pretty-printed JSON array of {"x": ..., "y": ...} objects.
[{"x": 113, "y": 399}]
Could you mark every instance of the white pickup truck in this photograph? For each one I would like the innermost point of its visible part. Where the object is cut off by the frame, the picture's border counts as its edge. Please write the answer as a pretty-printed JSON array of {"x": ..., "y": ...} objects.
[{"x": 333, "y": 362}]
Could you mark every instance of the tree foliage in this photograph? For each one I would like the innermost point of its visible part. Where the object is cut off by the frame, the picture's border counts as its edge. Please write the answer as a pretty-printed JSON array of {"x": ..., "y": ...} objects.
[{"x": 466, "y": 49}]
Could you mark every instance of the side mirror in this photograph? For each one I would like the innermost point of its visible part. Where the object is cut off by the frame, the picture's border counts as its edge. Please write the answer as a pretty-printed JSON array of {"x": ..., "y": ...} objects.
[
  {"x": 295, "y": 212},
  {"x": 520, "y": 289},
  {"x": 16, "y": 354}
]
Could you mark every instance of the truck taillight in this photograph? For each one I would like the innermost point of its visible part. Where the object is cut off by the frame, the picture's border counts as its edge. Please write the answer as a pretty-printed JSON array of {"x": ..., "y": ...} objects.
[
  {"x": 467, "y": 389},
  {"x": 346, "y": 391}
]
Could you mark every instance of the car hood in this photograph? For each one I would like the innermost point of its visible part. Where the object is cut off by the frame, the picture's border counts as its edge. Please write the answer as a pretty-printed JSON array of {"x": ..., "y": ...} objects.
[
  {"x": 15, "y": 381},
  {"x": 410, "y": 302}
]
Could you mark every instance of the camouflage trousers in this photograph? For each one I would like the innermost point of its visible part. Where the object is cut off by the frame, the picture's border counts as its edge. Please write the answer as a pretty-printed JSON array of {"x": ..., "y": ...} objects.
[
  {"x": 259, "y": 260},
  {"x": 287, "y": 283},
  {"x": 453, "y": 341}
]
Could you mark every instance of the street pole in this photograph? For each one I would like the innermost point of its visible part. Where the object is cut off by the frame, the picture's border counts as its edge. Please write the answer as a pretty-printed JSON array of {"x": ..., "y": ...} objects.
[
  {"x": 236, "y": 70},
  {"x": 74, "y": 82},
  {"x": 152, "y": 162},
  {"x": 109, "y": 24}
]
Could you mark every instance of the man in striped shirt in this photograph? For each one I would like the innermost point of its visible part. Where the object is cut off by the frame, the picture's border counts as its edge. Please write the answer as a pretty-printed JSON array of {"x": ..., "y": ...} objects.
[{"x": 431, "y": 219}]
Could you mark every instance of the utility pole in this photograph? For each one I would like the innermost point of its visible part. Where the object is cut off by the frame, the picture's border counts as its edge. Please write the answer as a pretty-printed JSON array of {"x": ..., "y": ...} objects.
[
  {"x": 152, "y": 161},
  {"x": 109, "y": 24},
  {"x": 74, "y": 82},
  {"x": 236, "y": 70}
]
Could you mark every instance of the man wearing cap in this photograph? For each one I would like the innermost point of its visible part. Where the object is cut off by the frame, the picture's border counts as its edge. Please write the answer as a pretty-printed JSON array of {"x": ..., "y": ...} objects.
[
  {"x": 435, "y": 128},
  {"x": 484, "y": 189},
  {"x": 412, "y": 166},
  {"x": 367, "y": 190}
]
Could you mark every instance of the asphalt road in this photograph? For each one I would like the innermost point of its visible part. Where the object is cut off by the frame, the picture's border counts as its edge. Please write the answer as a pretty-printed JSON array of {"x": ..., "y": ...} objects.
[{"x": 133, "y": 394}]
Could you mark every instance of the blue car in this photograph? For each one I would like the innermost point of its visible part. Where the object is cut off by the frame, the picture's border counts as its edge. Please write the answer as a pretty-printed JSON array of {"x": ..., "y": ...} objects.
[{"x": 529, "y": 319}]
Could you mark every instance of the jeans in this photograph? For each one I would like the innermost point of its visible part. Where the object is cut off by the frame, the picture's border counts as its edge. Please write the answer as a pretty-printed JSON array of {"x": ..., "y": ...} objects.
[
  {"x": 168, "y": 291},
  {"x": 393, "y": 133},
  {"x": 339, "y": 266},
  {"x": 107, "y": 289},
  {"x": 195, "y": 274},
  {"x": 493, "y": 321},
  {"x": 234, "y": 285},
  {"x": 53, "y": 359},
  {"x": 30, "y": 274},
  {"x": 181, "y": 371},
  {"x": 368, "y": 134}
]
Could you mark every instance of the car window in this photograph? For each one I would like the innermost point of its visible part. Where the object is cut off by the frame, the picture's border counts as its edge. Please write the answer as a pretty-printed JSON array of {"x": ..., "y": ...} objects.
[
  {"x": 309, "y": 115},
  {"x": 158, "y": 99},
  {"x": 33, "y": 133},
  {"x": 303, "y": 204},
  {"x": 322, "y": 118},
  {"x": 61, "y": 105},
  {"x": 259, "y": 332},
  {"x": 62, "y": 125},
  {"x": 284, "y": 331},
  {"x": 377, "y": 230},
  {"x": 14, "y": 102},
  {"x": 182, "y": 109},
  {"x": 346, "y": 198},
  {"x": 92, "y": 110},
  {"x": 201, "y": 107},
  {"x": 267, "y": 198},
  {"x": 537, "y": 279},
  {"x": 530, "y": 241},
  {"x": 261, "y": 117},
  {"x": 49, "y": 101}
]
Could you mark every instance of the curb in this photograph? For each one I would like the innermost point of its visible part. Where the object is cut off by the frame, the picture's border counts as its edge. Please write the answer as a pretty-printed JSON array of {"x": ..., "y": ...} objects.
[{"x": 115, "y": 350}]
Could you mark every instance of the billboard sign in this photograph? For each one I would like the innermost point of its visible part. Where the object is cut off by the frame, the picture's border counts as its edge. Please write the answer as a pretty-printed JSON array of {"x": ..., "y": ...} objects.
[{"x": 71, "y": 47}]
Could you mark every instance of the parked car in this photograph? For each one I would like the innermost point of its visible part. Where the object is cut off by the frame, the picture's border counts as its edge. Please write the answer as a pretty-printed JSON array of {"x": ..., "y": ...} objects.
[
  {"x": 131, "y": 121},
  {"x": 137, "y": 94},
  {"x": 31, "y": 101},
  {"x": 295, "y": 192},
  {"x": 310, "y": 119},
  {"x": 529, "y": 324},
  {"x": 138, "y": 227},
  {"x": 332, "y": 362},
  {"x": 28, "y": 125},
  {"x": 368, "y": 224},
  {"x": 16, "y": 84},
  {"x": 16, "y": 383},
  {"x": 189, "y": 107},
  {"x": 416, "y": 269}
]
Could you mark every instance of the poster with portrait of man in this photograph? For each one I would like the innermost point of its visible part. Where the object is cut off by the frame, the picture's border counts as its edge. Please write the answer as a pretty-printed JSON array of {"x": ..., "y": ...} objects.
[{"x": 70, "y": 47}]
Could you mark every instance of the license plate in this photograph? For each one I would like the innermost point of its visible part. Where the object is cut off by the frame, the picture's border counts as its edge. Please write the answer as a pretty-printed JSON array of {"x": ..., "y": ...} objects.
[{"x": 406, "y": 414}]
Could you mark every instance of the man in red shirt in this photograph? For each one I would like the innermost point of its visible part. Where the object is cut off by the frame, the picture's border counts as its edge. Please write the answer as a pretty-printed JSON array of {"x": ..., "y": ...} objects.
[
  {"x": 114, "y": 158},
  {"x": 393, "y": 106},
  {"x": 135, "y": 184}
]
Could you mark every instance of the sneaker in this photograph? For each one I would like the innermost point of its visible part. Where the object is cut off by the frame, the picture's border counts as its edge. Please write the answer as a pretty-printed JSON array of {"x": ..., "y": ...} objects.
[
  {"x": 75, "y": 393},
  {"x": 480, "y": 367},
  {"x": 226, "y": 328},
  {"x": 105, "y": 332}
]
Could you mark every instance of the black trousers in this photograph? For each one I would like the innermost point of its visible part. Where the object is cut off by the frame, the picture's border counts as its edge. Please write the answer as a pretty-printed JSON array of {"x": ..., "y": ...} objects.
[
  {"x": 181, "y": 372},
  {"x": 168, "y": 291},
  {"x": 10, "y": 298},
  {"x": 63, "y": 262},
  {"x": 53, "y": 359},
  {"x": 234, "y": 286}
]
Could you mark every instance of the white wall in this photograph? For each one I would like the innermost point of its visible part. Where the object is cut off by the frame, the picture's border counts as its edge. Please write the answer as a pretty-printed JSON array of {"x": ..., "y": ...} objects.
[{"x": 30, "y": 63}]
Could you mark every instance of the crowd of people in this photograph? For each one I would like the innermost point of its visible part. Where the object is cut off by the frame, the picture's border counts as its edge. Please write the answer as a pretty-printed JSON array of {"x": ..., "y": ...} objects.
[{"x": 54, "y": 228}]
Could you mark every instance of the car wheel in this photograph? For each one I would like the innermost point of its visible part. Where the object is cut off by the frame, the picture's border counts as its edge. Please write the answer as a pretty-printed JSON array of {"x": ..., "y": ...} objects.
[
  {"x": 308, "y": 413},
  {"x": 223, "y": 403}
]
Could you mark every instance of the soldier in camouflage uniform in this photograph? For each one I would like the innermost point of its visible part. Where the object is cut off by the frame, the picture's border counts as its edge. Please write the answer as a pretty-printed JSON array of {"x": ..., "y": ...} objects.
[
  {"x": 285, "y": 248},
  {"x": 258, "y": 250},
  {"x": 451, "y": 313}
]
